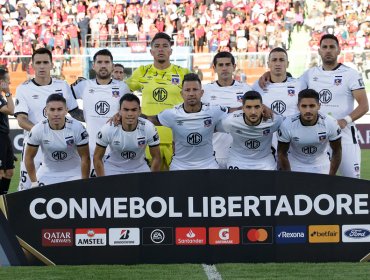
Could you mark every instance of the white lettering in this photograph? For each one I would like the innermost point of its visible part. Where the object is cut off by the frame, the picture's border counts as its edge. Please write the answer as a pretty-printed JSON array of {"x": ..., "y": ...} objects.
[
  {"x": 50, "y": 211},
  {"x": 268, "y": 199},
  {"x": 33, "y": 210},
  {"x": 298, "y": 211},
  {"x": 234, "y": 202},
  {"x": 359, "y": 203},
  {"x": 218, "y": 206},
  {"x": 171, "y": 208},
  {"x": 344, "y": 201},
  {"x": 191, "y": 212},
  {"x": 73, "y": 206},
  {"x": 330, "y": 201},
  {"x": 137, "y": 207},
  {"x": 119, "y": 203},
  {"x": 161, "y": 202},
  {"x": 105, "y": 208},
  {"x": 251, "y": 206},
  {"x": 283, "y": 206}
]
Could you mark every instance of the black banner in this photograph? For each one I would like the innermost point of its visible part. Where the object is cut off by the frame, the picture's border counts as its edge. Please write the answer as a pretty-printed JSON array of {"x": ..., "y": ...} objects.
[{"x": 205, "y": 216}]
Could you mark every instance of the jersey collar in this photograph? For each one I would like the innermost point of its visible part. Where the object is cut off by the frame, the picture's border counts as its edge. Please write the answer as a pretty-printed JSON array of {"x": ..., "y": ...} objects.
[
  {"x": 335, "y": 68},
  {"x": 111, "y": 80},
  {"x": 225, "y": 86},
  {"x": 34, "y": 81}
]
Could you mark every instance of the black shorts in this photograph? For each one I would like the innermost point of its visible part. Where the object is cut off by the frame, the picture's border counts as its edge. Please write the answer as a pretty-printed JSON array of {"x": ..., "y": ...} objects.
[{"x": 6, "y": 152}]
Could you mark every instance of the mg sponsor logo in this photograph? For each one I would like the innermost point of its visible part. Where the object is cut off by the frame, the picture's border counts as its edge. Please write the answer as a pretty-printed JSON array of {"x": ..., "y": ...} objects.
[
  {"x": 157, "y": 236},
  {"x": 124, "y": 236},
  {"x": 252, "y": 144},
  {"x": 290, "y": 234},
  {"x": 355, "y": 233},
  {"x": 102, "y": 107},
  {"x": 309, "y": 150},
  {"x": 325, "y": 96},
  {"x": 323, "y": 233},
  {"x": 257, "y": 235},
  {"x": 278, "y": 107},
  {"x": 128, "y": 155},
  {"x": 59, "y": 155},
  {"x": 194, "y": 138},
  {"x": 224, "y": 236},
  {"x": 191, "y": 236},
  {"x": 160, "y": 94},
  {"x": 91, "y": 237},
  {"x": 57, "y": 237}
]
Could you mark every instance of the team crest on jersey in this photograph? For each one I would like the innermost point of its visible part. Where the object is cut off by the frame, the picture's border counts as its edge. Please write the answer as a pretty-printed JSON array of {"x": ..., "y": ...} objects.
[
  {"x": 175, "y": 80},
  {"x": 291, "y": 91},
  {"x": 338, "y": 81},
  {"x": 266, "y": 132},
  {"x": 70, "y": 142},
  {"x": 115, "y": 93},
  {"x": 100, "y": 135},
  {"x": 207, "y": 122},
  {"x": 156, "y": 137},
  {"x": 84, "y": 135},
  {"x": 239, "y": 97},
  {"x": 322, "y": 137},
  {"x": 141, "y": 142}
]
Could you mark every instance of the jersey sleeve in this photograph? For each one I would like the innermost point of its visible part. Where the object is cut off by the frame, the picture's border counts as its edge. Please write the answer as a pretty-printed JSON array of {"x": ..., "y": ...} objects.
[
  {"x": 71, "y": 101},
  {"x": 21, "y": 105},
  {"x": 77, "y": 89},
  {"x": 284, "y": 132},
  {"x": 133, "y": 81},
  {"x": 82, "y": 137},
  {"x": 222, "y": 112},
  {"x": 223, "y": 125},
  {"x": 103, "y": 136},
  {"x": 278, "y": 120},
  {"x": 151, "y": 134},
  {"x": 334, "y": 131},
  {"x": 256, "y": 87},
  {"x": 124, "y": 89},
  {"x": 356, "y": 81},
  {"x": 165, "y": 117},
  {"x": 35, "y": 135},
  {"x": 304, "y": 79}
]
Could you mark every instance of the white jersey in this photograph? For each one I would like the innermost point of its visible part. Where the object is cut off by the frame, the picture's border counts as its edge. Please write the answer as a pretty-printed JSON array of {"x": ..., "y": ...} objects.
[
  {"x": 127, "y": 148},
  {"x": 281, "y": 98},
  {"x": 31, "y": 98},
  {"x": 192, "y": 134},
  {"x": 59, "y": 147},
  {"x": 100, "y": 103},
  {"x": 308, "y": 144},
  {"x": 251, "y": 144},
  {"x": 228, "y": 96}
]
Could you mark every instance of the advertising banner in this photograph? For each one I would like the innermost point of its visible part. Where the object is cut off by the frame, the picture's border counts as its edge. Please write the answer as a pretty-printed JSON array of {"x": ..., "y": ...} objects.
[{"x": 203, "y": 216}]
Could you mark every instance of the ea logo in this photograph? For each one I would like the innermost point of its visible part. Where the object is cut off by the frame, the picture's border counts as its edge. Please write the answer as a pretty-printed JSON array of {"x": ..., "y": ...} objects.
[
  {"x": 194, "y": 138},
  {"x": 278, "y": 107},
  {"x": 309, "y": 150},
  {"x": 325, "y": 96},
  {"x": 252, "y": 144},
  {"x": 128, "y": 155},
  {"x": 224, "y": 234},
  {"x": 59, "y": 155},
  {"x": 160, "y": 94},
  {"x": 102, "y": 107},
  {"x": 157, "y": 236}
]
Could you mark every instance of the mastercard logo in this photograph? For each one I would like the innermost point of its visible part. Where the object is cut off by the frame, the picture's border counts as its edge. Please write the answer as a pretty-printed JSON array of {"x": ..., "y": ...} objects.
[{"x": 257, "y": 235}]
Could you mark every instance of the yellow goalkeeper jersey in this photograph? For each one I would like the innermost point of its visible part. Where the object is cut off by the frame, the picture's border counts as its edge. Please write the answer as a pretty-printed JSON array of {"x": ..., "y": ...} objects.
[{"x": 161, "y": 89}]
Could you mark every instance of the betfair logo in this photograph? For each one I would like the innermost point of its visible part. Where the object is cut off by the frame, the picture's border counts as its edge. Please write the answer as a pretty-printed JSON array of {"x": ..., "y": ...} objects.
[
  {"x": 324, "y": 234},
  {"x": 160, "y": 94}
]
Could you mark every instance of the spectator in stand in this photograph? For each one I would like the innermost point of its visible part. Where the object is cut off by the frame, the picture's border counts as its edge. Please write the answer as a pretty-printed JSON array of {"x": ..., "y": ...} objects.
[{"x": 72, "y": 31}]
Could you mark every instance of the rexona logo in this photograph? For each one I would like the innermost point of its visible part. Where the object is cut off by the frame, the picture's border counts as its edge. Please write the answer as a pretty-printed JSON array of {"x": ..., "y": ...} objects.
[
  {"x": 57, "y": 237},
  {"x": 157, "y": 236},
  {"x": 224, "y": 236},
  {"x": 257, "y": 235},
  {"x": 356, "y": 233},
  {"x": 290, "y": 234},
  {"x": 91, "y": 237},
  {"x": 323, "y": 233},
  {"x": 124, "y": 236},
  {"x": 191, "y": 236}
]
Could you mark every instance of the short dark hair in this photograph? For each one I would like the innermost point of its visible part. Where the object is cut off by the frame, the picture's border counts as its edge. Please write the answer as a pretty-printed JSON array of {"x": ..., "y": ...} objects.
[
  {"x": 191, "y": 77},
  {"x": 308, "y": 93},
  {"x": 3, "y": 72},
  {"x": 119, "y": 65},
  {"x": 278, "y": 49},
  {"x": 56, "y": 97},
  {"x": 42, "y": 51},
  {"x": 129, "y": 97},
  {"x": 251, "y": 95},
  {"x": 161, "y": 35},
  {"x": 329, "y": 36},
  {"x": 222, "y": 55},
  {"x": 104, "y": 52}
]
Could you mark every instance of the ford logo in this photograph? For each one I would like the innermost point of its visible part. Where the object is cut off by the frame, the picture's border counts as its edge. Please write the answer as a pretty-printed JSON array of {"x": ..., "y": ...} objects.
[{"x": 357, "y": 233}]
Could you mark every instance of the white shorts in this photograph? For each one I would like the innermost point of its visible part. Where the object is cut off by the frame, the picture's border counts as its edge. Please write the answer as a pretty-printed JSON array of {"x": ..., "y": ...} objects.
[
  {"x": 176, "y": 165},
  {"x": 267, "y": 163},
  {"x": 221, "y": 146},
  {"x": 113, "y": 170},
  {"x": 24, "y": 179},
  {"x": 45, "y": 180}
]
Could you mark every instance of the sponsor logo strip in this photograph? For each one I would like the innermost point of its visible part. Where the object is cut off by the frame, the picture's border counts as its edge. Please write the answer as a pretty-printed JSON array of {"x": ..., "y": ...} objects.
[
  {"x": 91, "y": 237},
  {"x": 356, "y": 233},
  {"x": 124, "y": 236},
  {"x": 290, "y": 234},
  {"x": 224, "y": 236},
  {"x": 324, "y": 233},
  {"x": 57, "y": 237},
  {"x": 157, "y": 236},
  {"x": 191, "y": 236},
  {"x": 257, "y": 235}
]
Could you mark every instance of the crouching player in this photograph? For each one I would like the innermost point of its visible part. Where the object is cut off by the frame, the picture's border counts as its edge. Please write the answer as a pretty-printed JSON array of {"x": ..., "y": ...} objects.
[
  {"x": 252, "y": 136},
  {"x": 127, "y": 142},
  {"x": 64, "y": 145},
  {"x": 307, "y": 136}
]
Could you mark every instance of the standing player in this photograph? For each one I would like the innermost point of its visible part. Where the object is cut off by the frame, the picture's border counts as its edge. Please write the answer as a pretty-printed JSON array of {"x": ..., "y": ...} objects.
[
  {"x": 64, "y": 145},
  {"x": 306, "y": 135},
  {"x": 127, "y": 142},
  {"x": 31, "y": 98},
  {"x": 100, "y": 96},
  {"x": 6, "y": 146},
  {"x": 118, "y": 72},
  {"x": 192, "y": 124},
  {"x": 339, "y": 86},
  {"x": 224, "y": 92},
  {"x": 160, "y": 84},
  {"x": 281, "y": 93},
  {"x": 252, "y": 136}
]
